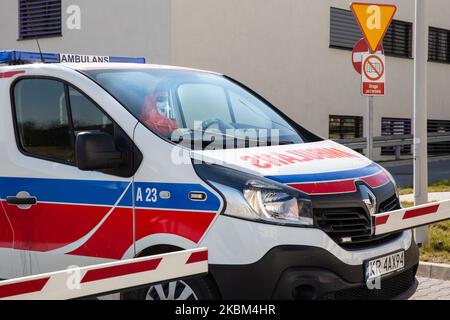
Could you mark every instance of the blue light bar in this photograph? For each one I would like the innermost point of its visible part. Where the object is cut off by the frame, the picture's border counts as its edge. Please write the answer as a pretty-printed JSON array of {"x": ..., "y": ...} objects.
[
  {"x": 23, "y": 57},
  {"x": 126, "y": 60},
  {"x": 19, "y": 57}
]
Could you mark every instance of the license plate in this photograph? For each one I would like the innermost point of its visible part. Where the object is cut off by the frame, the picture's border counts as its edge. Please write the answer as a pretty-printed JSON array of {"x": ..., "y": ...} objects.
[{"x": 384, "y": 265}]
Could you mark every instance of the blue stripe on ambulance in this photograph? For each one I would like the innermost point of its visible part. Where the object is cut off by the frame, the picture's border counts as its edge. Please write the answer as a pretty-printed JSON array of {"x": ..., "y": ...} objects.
[
  {"x": 148, "y": 195},
  {"x": 327, "y": 176},
  {"x": 107, "y": 193},
  {"x": 104, "y": 193}
]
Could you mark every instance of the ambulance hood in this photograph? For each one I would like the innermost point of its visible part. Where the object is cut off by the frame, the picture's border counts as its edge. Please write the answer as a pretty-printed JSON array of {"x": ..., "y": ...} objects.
[{"x": 322, "y": 167}]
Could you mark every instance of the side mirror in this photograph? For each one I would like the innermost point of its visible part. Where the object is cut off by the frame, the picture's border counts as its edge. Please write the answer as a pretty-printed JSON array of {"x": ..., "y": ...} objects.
[{"x": 97, "y": 151}]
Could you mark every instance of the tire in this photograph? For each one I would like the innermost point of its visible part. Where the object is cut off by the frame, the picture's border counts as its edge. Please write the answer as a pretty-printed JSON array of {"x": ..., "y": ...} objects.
[
  {"x": 195, "y": 288},
  {"x": 201, "y": 288}
]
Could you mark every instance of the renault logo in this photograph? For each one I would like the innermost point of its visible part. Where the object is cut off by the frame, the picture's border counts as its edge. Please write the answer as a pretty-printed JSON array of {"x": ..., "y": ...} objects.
[{"x": 370, "y": 200}]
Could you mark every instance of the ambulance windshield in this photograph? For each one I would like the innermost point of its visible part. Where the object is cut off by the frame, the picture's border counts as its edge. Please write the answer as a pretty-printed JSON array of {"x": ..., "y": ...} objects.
[{"x": 198, "y": 109}]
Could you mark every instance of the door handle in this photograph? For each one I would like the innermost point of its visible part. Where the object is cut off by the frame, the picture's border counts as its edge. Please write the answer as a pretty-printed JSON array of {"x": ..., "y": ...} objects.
[{"x": 28, "y": 201}]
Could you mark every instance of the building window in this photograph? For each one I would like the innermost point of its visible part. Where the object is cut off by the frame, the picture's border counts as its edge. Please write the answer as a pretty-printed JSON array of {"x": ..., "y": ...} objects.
[
  {"x": 439, "y": 45},
  {"x": 392, "y": 127},
  {"x": 345, "y": 127},
  {"x": 345, "y": 33},
  {"x": 39, "y": 18},
  {"x": 439, "y": 126}
]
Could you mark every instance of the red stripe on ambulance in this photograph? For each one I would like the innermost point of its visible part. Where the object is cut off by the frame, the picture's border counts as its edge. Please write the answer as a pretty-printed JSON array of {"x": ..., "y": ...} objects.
[
  {"x": 10, "y": 74},
  {"x": 346, "y": 186},
  {"x": 378, "y": 180},
  {"x": 187, "y": 224},
  {"x": 275, "y": 159},
  {"x": 340, "y": 186}
]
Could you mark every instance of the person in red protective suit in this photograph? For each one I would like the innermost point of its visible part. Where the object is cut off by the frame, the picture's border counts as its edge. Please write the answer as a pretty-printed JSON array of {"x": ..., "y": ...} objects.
[{"x": 156, "y": 114}]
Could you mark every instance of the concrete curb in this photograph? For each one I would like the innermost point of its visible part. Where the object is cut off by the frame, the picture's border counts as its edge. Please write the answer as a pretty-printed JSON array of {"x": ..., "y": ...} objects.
[{"x": 434, "y": 271}]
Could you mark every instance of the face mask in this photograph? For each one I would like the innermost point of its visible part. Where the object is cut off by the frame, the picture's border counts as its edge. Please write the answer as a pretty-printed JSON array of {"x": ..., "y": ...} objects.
[{"x": 162, "y": 104}]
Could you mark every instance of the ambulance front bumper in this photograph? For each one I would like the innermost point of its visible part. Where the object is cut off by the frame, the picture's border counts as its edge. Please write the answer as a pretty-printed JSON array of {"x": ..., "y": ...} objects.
[
  {"x": 310, "y": 273},
  {"x": 251, "y": 260}
]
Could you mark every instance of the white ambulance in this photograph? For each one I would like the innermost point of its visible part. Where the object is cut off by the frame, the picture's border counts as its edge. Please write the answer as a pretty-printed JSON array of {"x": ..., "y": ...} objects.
[{"x": 108, "y": 161}]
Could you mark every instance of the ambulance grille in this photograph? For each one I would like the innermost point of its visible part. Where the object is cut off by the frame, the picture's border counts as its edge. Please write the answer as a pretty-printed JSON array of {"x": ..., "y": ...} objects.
[
  {"x": 351, "y": 227},
  {"x": 390, "y": 204}
]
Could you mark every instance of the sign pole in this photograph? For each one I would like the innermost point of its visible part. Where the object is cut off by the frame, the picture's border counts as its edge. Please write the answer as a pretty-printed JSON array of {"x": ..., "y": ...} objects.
[
  {"x": 420, "y": 114},
  {"x": 369, "y": 130},
  {"x": 374, "y": 21}
]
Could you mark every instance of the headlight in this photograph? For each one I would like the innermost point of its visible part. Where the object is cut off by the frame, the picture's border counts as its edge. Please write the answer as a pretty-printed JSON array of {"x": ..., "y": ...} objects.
[{"x": 259, "y": 199}]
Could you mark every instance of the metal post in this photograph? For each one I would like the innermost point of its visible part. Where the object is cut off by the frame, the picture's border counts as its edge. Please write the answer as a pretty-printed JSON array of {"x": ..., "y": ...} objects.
[
  {"x": 398, "y": 152},
  {"x": 420, "y": 113},
  {"x": 369, "y": 128}
]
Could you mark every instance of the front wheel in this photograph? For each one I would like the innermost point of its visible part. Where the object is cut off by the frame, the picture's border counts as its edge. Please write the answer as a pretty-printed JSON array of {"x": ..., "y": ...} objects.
[{"x": 202, "y": 288}]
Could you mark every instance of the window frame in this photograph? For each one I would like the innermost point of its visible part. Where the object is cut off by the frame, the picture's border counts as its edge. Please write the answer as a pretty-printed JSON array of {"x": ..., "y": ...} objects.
[
  {"x": 22, "y": 37},
  {"x": 69, "y": 116},
  {"x": 359, "y": 124}
]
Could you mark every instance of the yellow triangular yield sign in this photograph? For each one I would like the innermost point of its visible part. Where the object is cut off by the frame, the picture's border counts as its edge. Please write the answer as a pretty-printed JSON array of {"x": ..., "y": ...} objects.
[{"x": 374, "y": 21}]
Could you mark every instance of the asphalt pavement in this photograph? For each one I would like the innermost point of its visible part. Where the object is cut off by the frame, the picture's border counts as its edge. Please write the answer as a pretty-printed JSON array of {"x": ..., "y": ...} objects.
[{"x": 438, "y": 169}]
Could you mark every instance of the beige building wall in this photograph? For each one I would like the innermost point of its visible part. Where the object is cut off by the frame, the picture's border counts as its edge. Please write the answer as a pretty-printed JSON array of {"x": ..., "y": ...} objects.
[{"x": 280, "y": 48}]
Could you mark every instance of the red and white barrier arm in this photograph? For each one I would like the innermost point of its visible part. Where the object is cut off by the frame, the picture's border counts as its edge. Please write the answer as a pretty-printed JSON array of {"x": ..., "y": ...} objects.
[
  {"x": 106, "y": 278},
  {"x": 412, "y": 217}
]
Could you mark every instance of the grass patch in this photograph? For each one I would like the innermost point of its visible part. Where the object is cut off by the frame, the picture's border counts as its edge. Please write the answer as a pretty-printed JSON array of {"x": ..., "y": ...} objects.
[
  {"x": 440, "y": 186},
  {"x": 438, "y": 249}
]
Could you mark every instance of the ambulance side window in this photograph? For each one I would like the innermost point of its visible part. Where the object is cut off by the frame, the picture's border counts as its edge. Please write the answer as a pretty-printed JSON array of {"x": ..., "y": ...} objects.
[
  {"x": 86, "y": 116},
  {"x": 42, "y": 120},
  {"x": 50, "y": 113}
]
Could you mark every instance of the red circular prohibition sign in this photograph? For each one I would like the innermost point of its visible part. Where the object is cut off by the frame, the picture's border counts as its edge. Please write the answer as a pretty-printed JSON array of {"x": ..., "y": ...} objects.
[{"x": 379, "y": 74}]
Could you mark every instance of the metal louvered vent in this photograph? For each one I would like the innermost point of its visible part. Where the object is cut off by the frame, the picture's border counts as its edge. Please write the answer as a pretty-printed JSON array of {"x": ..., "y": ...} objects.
[
  {"x": 39, "y": 18},
  {"x": 392, "y": 127},
  {"x": 345, "y": 33},
  {"x": 399, "y": 39},
  {"x": 344, "y": 29},
  {"x": 439, "y": 45},
  {"x": 439, "y": 126}
]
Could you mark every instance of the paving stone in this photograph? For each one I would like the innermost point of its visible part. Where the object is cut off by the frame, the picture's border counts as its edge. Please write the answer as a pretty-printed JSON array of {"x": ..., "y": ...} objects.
[{"x": 432, "y": 289}]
